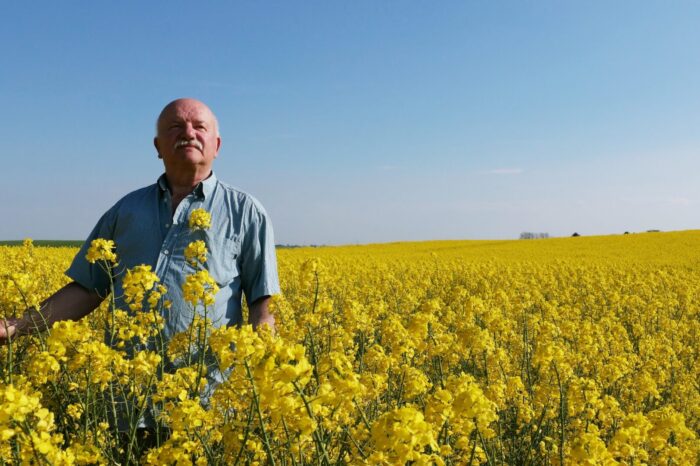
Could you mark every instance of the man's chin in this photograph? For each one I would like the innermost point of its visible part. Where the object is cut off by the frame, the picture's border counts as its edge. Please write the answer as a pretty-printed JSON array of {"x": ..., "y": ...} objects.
[
  {"x": 184, "y": 164},
  {"x": 192, "y": 155}
]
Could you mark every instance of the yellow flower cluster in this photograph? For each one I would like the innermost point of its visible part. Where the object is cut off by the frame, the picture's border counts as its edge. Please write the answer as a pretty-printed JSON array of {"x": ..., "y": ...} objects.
[
  {"x": 200, "y": 219},
  {"x": 101, "y": 250},
  {"x": 559, "y": 351},
  {"x": 196, "y": 252},
  {"x": 29, "y": 427},
  {"x": 200, "y": 287},
  {"x": 139, "y": 281}
]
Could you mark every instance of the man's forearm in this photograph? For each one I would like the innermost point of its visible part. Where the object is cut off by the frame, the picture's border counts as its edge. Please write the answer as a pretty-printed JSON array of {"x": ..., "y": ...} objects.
[
  {"x": 71, "y": 302},
  {"x": 259, "y": 313}
]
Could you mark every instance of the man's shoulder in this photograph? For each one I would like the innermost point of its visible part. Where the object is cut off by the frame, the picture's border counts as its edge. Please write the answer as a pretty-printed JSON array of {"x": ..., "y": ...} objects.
[
  {"x": 137, "y": 196},
  {"x": 240, "y": 198},
  {"x": 134, "y": 200}
]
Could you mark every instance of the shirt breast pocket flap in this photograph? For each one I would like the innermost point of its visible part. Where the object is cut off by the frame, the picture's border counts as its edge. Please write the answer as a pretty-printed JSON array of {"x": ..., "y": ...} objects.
[{"x": 223, "y": 259}]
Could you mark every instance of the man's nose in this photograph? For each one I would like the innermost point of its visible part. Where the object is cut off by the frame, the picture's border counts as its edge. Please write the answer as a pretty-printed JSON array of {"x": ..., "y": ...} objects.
[{"x": 189, "y": 132}]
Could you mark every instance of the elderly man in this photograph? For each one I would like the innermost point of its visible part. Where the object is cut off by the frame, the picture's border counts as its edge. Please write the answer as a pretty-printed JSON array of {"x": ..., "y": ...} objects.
[{"x": 150, "y": 226}]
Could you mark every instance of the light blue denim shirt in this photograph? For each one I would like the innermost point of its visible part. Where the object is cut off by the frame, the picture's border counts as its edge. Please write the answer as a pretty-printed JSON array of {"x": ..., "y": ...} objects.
[{"x": 240, "y": 242}]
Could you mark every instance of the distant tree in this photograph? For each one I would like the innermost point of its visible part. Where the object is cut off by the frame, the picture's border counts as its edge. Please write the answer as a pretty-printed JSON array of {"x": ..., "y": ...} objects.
[
  {"x": 627, "y": 232},
  {"x": 531, "y": 235},
  {"x": 575, "y": 234}
]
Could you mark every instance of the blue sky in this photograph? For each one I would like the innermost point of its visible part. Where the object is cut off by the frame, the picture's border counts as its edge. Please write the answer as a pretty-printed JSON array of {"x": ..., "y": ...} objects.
[{"x": 363, "y": 121}]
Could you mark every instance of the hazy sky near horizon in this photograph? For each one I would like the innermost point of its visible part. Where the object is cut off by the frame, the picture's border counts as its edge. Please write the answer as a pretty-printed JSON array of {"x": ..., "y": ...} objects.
[{"x": 363, "y": 121}]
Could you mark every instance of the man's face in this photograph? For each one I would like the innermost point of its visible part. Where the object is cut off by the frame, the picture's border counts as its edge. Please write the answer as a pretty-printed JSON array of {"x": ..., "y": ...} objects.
[{"x": 188, "y": 137}]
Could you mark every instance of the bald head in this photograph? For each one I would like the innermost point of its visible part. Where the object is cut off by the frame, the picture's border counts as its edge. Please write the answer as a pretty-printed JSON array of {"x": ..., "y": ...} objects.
[
  {"x": 187, "y": 139},
  {"x": 186, "y": 102}
]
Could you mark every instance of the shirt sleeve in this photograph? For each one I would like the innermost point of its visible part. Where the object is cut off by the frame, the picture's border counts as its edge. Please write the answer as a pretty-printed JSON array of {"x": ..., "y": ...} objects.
[
  {"x": 93, "y": 276},
  {"x": 259, "y": 265}
]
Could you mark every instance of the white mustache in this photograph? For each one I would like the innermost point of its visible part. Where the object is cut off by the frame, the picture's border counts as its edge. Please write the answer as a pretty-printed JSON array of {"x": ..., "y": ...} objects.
[{"x": 188, "y": 142}]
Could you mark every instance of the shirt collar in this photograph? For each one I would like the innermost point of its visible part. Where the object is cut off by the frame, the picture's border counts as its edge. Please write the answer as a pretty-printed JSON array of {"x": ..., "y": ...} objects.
[
  {"x": 203, "y": 189},
  {"x": 163, "y": 183}
]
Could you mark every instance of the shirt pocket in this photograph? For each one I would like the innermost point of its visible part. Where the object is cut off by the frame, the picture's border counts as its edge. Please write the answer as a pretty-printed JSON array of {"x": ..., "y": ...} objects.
[{"x": 222, "y": 262}]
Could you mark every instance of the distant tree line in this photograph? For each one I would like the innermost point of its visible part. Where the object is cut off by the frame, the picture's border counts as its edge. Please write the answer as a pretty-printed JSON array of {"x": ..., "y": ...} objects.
[
  {"x": 531, "y": 235},
  {"x": 291, "y": 246}
]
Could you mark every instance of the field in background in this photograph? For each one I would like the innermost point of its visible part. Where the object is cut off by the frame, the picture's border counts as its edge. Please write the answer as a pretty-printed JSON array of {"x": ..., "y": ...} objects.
[
  {"x": 46, "y": 242},
  {"x": 679, "y": 247},
  {"x": 566, "y": 350}
]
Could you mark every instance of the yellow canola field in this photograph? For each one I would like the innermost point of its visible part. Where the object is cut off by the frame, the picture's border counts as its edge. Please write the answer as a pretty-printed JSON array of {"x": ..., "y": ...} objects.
[{"x": 558, "y": 351}]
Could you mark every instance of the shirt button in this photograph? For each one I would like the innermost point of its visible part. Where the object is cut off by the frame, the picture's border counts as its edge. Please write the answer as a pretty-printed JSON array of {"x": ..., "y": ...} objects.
[
  {"x": 166, "y": 252},
  {"x": 167, "y": 225}
]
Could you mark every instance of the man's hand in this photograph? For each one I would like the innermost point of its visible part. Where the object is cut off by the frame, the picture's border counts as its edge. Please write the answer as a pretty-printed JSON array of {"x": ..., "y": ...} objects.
[
  {"x": 71, "y": 302},
  {"x": 259, "y": 314},
  {"x": 8, "y": 329}
]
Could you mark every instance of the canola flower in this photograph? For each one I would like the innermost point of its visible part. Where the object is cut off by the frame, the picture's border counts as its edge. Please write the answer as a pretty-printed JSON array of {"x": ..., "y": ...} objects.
[
  {"x": 196, "y": 252},
  {"x": 559, "y": 351},
  {"x": 199, "y": 219},
  {"x": 200, "y": 287},
  {"x": 101, "y": 250}
]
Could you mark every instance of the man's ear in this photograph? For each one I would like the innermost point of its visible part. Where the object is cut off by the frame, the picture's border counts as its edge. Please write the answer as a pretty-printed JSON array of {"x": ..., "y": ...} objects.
[
  {"x": 155, "y": 144},
  {"x": 218, "y": 146}
]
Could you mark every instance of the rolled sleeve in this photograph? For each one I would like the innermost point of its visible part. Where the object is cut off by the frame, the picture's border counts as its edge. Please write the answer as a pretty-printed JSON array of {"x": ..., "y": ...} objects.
[{"x": 259, "y": 259}]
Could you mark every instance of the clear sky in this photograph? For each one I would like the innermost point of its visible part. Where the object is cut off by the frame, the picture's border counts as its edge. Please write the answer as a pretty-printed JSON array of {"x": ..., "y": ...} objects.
[{"x": 366, "y": 120}]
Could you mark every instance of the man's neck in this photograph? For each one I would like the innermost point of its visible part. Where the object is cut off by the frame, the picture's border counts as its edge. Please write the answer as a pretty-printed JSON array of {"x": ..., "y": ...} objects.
[{"x": 182, "y": 185}]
